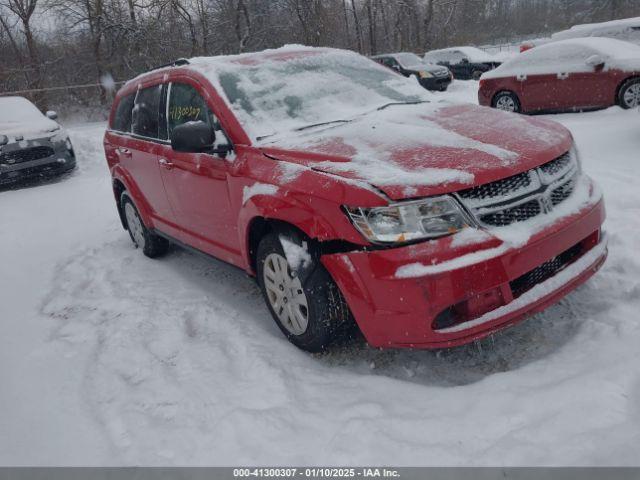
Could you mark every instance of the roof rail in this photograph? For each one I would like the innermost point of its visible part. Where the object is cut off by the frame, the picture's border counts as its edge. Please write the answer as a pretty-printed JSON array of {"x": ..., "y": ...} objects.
[{"x": 177, "y": 63}]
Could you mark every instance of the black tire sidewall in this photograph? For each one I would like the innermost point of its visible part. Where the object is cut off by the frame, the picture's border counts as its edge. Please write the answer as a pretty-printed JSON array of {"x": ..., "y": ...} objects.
[{"x": 154, "y": 246}]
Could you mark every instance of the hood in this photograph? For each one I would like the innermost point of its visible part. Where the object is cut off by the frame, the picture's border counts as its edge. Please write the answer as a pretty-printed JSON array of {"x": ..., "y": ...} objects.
[
  {"x": 33, "y": 129},
  {"x": 410, "y": 151}
]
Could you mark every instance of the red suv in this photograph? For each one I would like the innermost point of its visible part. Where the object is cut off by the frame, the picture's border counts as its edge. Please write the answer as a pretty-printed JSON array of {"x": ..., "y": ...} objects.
[{"x": 351, "y": 194}]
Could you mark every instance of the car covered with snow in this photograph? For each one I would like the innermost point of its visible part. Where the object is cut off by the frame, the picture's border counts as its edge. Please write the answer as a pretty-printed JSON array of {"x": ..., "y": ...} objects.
[
  {"x": 626, "y": 29},
  {"x": 466, "y": 63},
  {"x": 32, "y": 145},
  {"x": 351, "y": 195},
  {"x": 429, "y": 75},
  {"x": 568, "y": 75}
]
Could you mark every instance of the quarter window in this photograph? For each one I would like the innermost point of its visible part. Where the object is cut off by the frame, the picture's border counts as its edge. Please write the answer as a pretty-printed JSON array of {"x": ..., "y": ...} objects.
[
  {"x": 122, "y": 119},
  {"x": 145, "y": 117}
]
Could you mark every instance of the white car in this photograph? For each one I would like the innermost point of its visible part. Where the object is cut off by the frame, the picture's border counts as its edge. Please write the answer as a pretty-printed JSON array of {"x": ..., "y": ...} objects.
[{"x": 32, "y": 145}]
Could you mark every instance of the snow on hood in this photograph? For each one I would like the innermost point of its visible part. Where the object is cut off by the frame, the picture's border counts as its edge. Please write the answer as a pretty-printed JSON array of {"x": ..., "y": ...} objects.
[
  {"x": 19, "y": 117},
  {"x": 427, "y": 149}
]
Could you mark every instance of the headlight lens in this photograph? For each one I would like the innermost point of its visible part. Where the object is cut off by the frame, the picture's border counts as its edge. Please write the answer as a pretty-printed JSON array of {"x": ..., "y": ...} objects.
[
  {"x": 425, "y": 75},
  {"x": 409, "y": 221}
]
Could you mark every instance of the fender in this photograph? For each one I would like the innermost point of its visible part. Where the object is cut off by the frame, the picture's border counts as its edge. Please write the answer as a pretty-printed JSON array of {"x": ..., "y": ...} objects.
[{"x": 143, "y": 207}]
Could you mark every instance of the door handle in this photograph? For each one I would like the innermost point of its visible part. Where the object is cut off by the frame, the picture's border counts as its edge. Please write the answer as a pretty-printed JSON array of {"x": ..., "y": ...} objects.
[
  {"x": 124, "y": 151},
  {"x": 563, "y": 76},
  {"x": 165, "y": 164}
]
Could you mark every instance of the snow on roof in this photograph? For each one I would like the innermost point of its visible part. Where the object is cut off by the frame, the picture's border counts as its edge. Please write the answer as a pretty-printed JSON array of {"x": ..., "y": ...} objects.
[
  {"x": 474, "y": 54},
  {"x": 570, "y": 56},
  {"x": 599, "y": 29}
]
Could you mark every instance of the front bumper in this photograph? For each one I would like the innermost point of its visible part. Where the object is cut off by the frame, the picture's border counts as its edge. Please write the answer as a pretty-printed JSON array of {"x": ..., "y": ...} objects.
[
  {"x": 60, "y": 161},
  {"x": 436, "y": 83},
  {"x": 405, "y": 312}
]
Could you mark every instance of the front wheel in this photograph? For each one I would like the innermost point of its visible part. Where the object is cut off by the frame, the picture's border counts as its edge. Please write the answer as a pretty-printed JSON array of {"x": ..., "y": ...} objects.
[
  {"x": 629, "y": 96},
  {"x": 506, "y": 101},
  {"x": 303, "y": 299}
]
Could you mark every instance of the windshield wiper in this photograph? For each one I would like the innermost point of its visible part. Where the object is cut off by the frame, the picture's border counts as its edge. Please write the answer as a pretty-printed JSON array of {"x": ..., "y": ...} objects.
[
  {"x": 306, "y": 127},
  {"x": 401, "y": 103}
]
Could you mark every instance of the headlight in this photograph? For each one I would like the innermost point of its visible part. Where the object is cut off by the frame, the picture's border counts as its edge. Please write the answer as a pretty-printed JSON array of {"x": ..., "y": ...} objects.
[
  {"x": 68, "y": 144},
  {"x": 425, "y": 75},
  {"x": 410, "y": 221}
]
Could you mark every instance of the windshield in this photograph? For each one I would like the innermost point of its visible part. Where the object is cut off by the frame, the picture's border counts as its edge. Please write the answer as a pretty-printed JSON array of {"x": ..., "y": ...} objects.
[
  {"x": 18, "y": 109},
  {"x": 313, "y": 87},
  {"x": 408, "y": 59}
]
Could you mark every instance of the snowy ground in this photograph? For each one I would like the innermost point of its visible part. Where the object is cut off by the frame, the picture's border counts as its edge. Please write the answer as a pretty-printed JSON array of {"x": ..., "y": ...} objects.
[{"x": 109, "y": 358}]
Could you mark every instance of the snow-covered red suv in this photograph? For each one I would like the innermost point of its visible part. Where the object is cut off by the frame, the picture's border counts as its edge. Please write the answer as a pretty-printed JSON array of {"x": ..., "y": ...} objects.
[{"x": 351, "y": 193}]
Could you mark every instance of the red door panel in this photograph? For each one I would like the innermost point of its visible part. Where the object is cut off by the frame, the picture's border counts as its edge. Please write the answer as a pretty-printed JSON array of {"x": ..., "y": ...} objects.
[
  {"x": 196, "y": 186},
  {"x": 543, "y": 92}
]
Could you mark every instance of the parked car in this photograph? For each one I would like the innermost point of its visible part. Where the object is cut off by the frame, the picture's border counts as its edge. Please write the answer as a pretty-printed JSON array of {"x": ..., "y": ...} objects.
[
  {"x": 466, "y": 63},
  {"x": 349, "y": 194},
  {"x": 429, "y": 75},
  {"x": 32, "y": 145},
  {"x": 570, "y": 75},
  {"x": 627, "y": 29}
]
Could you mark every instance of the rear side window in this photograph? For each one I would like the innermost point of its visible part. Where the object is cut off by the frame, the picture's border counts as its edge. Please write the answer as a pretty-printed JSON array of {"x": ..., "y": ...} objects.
[
  {"x": 186, "y": 105},
  {"x": 122, "y": 119},
  {"x": 146, "y": 118}
]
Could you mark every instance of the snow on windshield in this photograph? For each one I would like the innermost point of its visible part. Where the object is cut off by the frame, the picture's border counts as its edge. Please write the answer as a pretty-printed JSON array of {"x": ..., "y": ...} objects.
[
  {"x": 294, "y": 87},
  {"x": 17, "y": 110}
]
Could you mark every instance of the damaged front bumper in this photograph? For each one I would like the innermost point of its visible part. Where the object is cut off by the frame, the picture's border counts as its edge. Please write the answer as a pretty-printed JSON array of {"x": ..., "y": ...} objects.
[{"x": 469, "y": 291}]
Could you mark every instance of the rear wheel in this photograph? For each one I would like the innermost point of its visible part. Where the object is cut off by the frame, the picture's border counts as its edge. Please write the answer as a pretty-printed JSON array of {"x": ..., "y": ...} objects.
[
  {"x": 506, "y": 101},
  {"x": 303, "y": 299},
  {"x": 151, "y": 244},
  {"x": 629, "y": 96}
]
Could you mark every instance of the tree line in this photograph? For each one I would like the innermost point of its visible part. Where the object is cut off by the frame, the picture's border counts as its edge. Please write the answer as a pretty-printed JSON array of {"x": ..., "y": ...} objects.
[{"x": 51, "y": 43}]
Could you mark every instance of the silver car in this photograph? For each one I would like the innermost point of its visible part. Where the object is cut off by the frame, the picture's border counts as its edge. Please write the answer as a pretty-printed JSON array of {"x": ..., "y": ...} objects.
[{"x": 32, "y": 145}]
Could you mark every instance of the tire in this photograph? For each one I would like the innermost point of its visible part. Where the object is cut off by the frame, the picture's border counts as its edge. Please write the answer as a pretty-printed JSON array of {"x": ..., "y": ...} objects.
[
  {"x": 476, "y": 74},
  {"x": 151, "y": 244},
  {"x": 506, "y": 101},
  {"x": 629, "y": 94},
  {"x": 303, "y": 299}
]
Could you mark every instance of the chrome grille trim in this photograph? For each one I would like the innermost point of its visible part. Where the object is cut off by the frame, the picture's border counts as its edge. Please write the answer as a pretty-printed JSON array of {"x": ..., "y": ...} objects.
[{"x": 514, "y": 199}]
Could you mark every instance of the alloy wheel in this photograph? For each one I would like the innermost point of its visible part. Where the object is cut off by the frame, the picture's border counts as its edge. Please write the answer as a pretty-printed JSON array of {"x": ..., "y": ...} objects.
[
  {"x": 506, "y": 103},
  {"x": 135, "y": 225},
  {"x": 285, "y": 294},
  {"x": 631, "y": 96}
]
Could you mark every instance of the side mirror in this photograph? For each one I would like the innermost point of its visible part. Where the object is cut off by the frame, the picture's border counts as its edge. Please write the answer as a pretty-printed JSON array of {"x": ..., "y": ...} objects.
[
  {"x": 193, "y": 137},
  {"x": 596, "y": 61},
  {"x": 464, "y": 61},
  {"x": 3, "y": 140},
  {"x": 52, "y": 115}
]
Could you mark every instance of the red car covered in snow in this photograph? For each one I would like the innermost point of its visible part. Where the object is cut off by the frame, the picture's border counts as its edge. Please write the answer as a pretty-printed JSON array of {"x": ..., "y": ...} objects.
[
  {"x": 568, "y": 75},
  {"x": 351, "y": 195}
]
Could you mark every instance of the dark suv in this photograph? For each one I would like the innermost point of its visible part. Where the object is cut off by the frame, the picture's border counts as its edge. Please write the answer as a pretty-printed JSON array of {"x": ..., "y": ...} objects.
[
  {"x": 466, "y": 63},
  {"x": 430, "y": 76}
]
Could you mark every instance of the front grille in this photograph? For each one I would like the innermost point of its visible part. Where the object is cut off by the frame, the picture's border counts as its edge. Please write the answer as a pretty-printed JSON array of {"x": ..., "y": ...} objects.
[
  {"x": 26, "y": 155},
  {"x": 556, "y": 166},
  {"x": 523, "y": 196},
  {"x": 561, "y": 193},
  {"x": 505, "y": 217},
  {"x": 545, "y": 271},
  {"x": 498, "y": 189}
]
